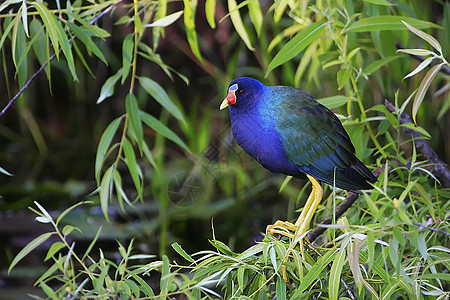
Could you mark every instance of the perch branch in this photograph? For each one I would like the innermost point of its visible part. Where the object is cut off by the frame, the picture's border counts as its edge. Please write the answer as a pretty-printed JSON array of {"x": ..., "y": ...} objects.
[
  {"x": 438, "y": 167},
  {"x": 39, "y": 71}
]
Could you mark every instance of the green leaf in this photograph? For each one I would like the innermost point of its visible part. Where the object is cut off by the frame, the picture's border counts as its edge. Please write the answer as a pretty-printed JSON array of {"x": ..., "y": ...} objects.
[
  {"x": 54, "y": 249},
  {"x": 414, "y": 127},
  {"x": 104, "y": 144},
  {"x": 127, "y": 55},
  {"x": 8, "y": 3},
  {"x": 47, "y": 19},
  {"x": 236, "y": 19},
  {"x": 387, "y": 22},
  {"x": 375, "y": 65},
  {"x": 431, "y": 40},
  {"x": 165, "y": 21},
  {"x": 87, "y": 41},
  {"x": 189, "y": 24},
  {"x": 210, "y": 11},
  {"x": 105, "y": 191},
  {"x": 335, "y": 274},
  {"x": 29, "y": 247},
  {"x": 179, "y": 250},
  {"x": 281, "y": 288},
  {"x": 108, "y": 87},
  {"x": 160, "y": 95},
  {"x": 162, "y": 129},
  {"x": 133, "y": 113},
  {"x": 423, "y": 87},
  {"x": 334, "y": 101},
  {"x": 25, "y": 18},
  {"x": 315, "y": 271},
  {"x": 57, "y": 36},
  {"x": 94, "y": 240},
  {"x": 256, "y": 15},
  {"x": 299, "y": 42},
  {"x": 343, "y": 77},
  {"x": 420, "y": 52},
  {"x": 132, "y": 165},
  {"x": 379, "y": 2}
]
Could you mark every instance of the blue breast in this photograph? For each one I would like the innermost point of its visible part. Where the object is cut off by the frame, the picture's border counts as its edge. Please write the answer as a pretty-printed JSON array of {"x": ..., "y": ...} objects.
[{"x": 254, "y": 130}]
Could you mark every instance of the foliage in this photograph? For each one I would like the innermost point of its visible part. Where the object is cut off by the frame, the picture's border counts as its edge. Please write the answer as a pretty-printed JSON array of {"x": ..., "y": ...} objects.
[{"x": 392, "y": 243}]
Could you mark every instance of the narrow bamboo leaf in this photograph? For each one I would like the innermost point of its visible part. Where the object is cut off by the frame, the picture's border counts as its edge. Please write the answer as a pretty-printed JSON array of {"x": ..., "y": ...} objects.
[
  {"x": 374, "y": 66},
  {"x": 67, "y": 210},
  {"x": 164, "y": 282},
  {"x": 189, "y": 24},
  {"x": 379, "y": 2},
  {"x": 431, "y": 40},
  {"x": 132, "y": 165},
  {"x": 149, "y": 156},
  {"x": 8, "y": 3},
  {"x": 127, "y": 56},
  {"x": 3, "y": 171},
  {"x": 442, "y": 276},
  {"x": 165, "y": 21},
  {"x": 135, "y": 118},
  {"x": 144, "y": 286},
  {"x": 387, "y": 22},
  {"x": 54, "y": 249},
  {"x": 105, "y": 191},
  {"x": 42, "y": 220},
  {"x": 108, "y": 87},
  {"x": 343, "y": 77},
  {"x": 236, "y": 19},
  {"x": 210, "y": 11},
  {"x": 299, "y": 42},
  {"x": 281, "y": 288},
  {"x": 47, "y": 19},
  {"x": 335, "y": 274},
  {"x": 423, "y": 87},
  {"x": 334, "y": 101},
  {"x": 256, "y": 15},
  {"x": 48, "y": 290},
  {"x": 280, "y": 7},
  {"x": 87, "y": 41},
  {"x": 419, "y": 129},
  {"x": 160, "y": 95},
  {"x": 28, "y": 248},
  {"x": 104, "y": 144},
  {"x": 50, "y": 271},
  {"x": 44, "y": 211},
  {"x": 94, "y": 240},
  {"x": 162, "y": 129},
  {"x": 25, "y": 18},
  {"x": 177, "y": 247},
  {"x": 240, "y": 279},
  {"x": 314, "y": 273},
  {"x": 65, "y": 46},
  {"x": 421, "y": 52}
]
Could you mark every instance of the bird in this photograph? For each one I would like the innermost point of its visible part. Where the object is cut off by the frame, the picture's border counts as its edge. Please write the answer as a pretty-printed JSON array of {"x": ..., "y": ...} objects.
[{"x": 287, "y": 131}]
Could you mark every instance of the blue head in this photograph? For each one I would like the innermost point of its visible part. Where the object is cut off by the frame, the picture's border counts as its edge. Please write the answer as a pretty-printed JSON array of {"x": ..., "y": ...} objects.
[{"x": 243, "y": 93}]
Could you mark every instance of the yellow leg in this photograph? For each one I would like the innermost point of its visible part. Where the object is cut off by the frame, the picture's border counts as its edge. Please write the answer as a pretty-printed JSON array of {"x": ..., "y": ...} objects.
[{"x": 302, "y": 223}]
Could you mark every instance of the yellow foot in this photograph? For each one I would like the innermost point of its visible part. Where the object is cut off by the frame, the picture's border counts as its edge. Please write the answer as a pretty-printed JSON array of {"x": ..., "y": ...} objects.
[{"x": 297, "y": 231}]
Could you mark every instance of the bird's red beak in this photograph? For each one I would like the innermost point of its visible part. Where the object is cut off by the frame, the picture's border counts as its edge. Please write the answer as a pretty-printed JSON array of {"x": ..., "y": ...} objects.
[{"x": 231, "y": 97}]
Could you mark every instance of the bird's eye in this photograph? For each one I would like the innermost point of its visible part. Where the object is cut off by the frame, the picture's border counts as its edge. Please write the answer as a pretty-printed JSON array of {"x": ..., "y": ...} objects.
[{"x": 241, "y": 91}]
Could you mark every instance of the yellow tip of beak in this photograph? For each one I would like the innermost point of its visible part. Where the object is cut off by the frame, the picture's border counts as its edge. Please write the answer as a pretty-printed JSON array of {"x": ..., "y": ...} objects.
[{"x": 224, "y": 104}]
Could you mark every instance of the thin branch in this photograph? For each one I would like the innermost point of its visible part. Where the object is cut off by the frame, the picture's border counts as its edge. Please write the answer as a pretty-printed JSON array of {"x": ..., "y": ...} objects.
[
  {"x": 438, "y": 167},
  {"x": 421, "y": 226},
  {"x": 39, "y": 71}
]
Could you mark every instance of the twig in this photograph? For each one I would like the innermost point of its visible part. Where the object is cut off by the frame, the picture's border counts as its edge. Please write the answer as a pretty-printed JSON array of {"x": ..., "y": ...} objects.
[
  {"x": 421, "y": 226},
  {"x": 444, "y": 69},
  {"x": 438, "y": 167},
  {"x": 39, "y": 71}
]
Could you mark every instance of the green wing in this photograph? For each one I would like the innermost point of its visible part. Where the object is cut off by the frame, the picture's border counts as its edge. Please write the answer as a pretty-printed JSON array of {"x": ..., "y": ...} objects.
[{"x": 315, "y": 141}]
